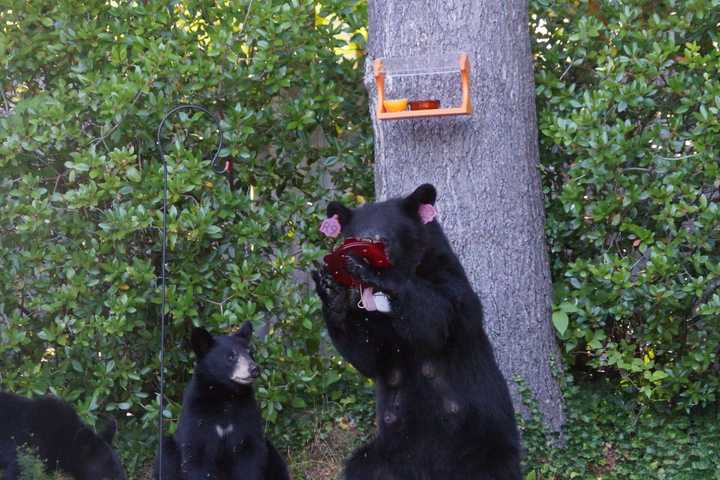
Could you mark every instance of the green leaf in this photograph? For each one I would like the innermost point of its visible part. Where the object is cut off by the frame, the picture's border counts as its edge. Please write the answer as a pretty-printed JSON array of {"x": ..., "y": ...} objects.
[
  {"x": 45, "y": 335},
  {"x": 560, "y": 321},
  {"x": 569, "y": 308},
  {"x": 214, "y": 231},
  {"x": 133, "y": 174}
]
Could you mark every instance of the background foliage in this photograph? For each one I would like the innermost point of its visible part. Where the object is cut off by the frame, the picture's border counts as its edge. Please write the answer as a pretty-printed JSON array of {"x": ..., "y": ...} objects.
[
  {"x": 613, "y": 435},
  {"x": 628, "y": 103},
  {"x": 629, "y": 98},
  {"x": 85, "y": 86}
]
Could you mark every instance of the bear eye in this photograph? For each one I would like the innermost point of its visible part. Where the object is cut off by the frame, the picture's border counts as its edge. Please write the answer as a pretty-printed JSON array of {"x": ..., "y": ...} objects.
[{"x": 231, "y": 356}]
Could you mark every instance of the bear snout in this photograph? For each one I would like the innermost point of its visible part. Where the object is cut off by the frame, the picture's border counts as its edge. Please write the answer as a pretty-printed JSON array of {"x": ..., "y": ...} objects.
[{"x": 245, "y": 370}]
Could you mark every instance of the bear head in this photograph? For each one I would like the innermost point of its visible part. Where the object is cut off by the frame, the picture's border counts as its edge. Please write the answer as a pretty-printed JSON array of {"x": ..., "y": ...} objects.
[
  {"x": 401, "y": 224},
  {"x": 225, "y": 359}
]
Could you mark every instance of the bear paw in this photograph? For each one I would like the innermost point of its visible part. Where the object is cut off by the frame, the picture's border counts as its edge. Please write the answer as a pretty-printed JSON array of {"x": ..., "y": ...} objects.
[
  {"x": 367, "y": 276},
  {"x": 331, "y": 293}
]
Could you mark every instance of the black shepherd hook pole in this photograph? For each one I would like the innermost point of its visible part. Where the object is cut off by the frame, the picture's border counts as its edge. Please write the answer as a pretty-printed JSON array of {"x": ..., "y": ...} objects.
[{"x": 218, "y": 169}]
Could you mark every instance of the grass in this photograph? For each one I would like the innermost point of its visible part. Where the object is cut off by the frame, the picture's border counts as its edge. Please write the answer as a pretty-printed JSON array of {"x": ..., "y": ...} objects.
[
  {"x": 323, "y": 458},
  {"x": 608, "y": 436}
]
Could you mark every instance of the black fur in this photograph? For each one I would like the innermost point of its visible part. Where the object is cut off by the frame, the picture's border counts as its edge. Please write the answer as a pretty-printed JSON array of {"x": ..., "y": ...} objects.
[
  {"x": 52, "y": 429},
  {"x": 443, "y": 407},
  {"x": 212, "y": 401}
]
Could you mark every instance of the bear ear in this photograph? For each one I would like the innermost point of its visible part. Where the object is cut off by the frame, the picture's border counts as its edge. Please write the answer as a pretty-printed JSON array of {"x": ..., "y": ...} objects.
[
  {"x": 245, "y": 331},
  {"x": 108, "y": 431},
  {"x": 421, "y": 203},
  {"x": 344, "y": 213},
  {"x": 425, "y": 193},
  {"x": 201, "y": 341}
]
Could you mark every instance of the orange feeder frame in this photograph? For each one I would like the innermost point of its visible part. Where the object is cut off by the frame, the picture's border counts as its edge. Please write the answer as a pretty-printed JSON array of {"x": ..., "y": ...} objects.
[{"x": 465, "y": 107}]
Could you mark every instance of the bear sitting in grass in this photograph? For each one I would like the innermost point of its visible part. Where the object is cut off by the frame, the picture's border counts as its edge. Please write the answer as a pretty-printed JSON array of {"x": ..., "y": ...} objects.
[
  {"x": 52, "y": 429},
  {"x": 443, "y": 407},
  {"x": 220, "y": 435}
]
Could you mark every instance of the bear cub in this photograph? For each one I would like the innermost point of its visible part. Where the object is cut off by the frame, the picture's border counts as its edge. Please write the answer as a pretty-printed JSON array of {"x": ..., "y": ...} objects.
[
  {"x": 51, "y": 428},
  {"x": 220, "y": 434},
  {"x": 443, "y": 407}
]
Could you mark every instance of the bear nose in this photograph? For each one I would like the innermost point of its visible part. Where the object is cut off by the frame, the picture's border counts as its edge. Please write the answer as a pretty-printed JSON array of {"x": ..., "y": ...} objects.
[{"x": 255, "y": 370}]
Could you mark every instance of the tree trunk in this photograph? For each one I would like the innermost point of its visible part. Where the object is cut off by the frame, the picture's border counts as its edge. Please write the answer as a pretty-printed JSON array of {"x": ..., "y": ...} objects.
[{"x": 485, "y": 168}]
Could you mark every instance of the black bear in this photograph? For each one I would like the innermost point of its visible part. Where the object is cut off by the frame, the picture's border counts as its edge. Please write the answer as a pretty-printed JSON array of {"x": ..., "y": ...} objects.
[
  {"x": 52, "y": 429},
  {"x": 220, "y": 435},
  {"x": 443, "y": 407}
]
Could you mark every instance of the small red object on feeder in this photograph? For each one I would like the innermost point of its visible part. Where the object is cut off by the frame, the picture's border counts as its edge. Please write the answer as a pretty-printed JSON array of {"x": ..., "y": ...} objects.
[
  {"x": 372, "y": 252},
  {"x": 424, "y": 104}
]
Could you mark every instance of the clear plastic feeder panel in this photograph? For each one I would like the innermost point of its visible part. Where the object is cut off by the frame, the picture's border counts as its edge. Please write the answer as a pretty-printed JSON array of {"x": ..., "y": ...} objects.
[
  {"x": 425, "y": 87},
  {"x": 441, "y": 77},
  {"x": 425, "y": 65}
]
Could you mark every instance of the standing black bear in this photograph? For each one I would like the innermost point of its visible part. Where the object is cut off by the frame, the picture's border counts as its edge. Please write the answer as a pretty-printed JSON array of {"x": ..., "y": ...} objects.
[
  {"x": 52, "y": 429},
  {"x": 443, "y": 408},
  {"x": 220, "y": 435}
]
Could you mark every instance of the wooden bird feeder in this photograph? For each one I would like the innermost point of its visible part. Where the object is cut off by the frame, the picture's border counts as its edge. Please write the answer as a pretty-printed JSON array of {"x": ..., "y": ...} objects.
[{"x": 398, "y": 108}]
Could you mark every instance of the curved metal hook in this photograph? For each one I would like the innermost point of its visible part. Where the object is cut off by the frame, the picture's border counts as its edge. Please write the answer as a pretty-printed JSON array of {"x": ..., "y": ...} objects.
[
  {"x": 163, "y": 267},
  {"x": 192, "y": 106}
]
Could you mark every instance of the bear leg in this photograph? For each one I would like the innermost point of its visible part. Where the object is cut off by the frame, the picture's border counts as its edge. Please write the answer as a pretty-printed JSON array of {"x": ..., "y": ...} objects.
[
  {"x": 366, "y": 464},
  {"x": 170, "y": 459},
  {"x": 10, "y": 470},
  {"x": 276, "y": 468}
]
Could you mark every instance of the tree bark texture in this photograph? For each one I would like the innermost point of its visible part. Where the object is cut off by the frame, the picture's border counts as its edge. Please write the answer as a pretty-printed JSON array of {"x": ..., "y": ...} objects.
[{"x": 485, "y": 167}]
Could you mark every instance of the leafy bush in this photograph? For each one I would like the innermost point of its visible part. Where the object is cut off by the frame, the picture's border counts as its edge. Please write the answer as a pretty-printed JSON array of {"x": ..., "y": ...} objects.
[
  {"x": 610, "y": 435},
  {"x": 31, "y": 468},
  {"x": 629, "y": 101},
  {"x": 85, "y": 86}
]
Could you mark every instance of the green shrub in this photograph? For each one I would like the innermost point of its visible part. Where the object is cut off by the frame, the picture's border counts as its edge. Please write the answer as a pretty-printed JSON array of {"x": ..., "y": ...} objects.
[
  {"x": 85, "y": 86},
  {"x": 610, "y": 435},
  {"x": 31, "y": 467},
  {"x": 629, "y": 100}
]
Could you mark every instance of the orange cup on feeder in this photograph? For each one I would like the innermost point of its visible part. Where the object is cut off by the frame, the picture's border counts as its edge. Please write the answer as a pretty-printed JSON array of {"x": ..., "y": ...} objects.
[{"x": 395, "y": 105}]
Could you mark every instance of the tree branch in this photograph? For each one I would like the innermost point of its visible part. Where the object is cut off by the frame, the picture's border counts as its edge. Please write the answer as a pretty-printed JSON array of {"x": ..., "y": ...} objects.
[{"x": 5, "y": 101}]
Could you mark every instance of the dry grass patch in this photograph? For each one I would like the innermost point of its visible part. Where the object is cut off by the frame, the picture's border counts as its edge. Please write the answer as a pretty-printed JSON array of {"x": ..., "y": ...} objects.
[{"x": 323, "y": 458}]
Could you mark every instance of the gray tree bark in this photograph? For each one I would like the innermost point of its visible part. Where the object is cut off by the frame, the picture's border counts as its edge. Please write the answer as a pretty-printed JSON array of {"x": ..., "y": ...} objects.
[{"x": 485, "y": 168}]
